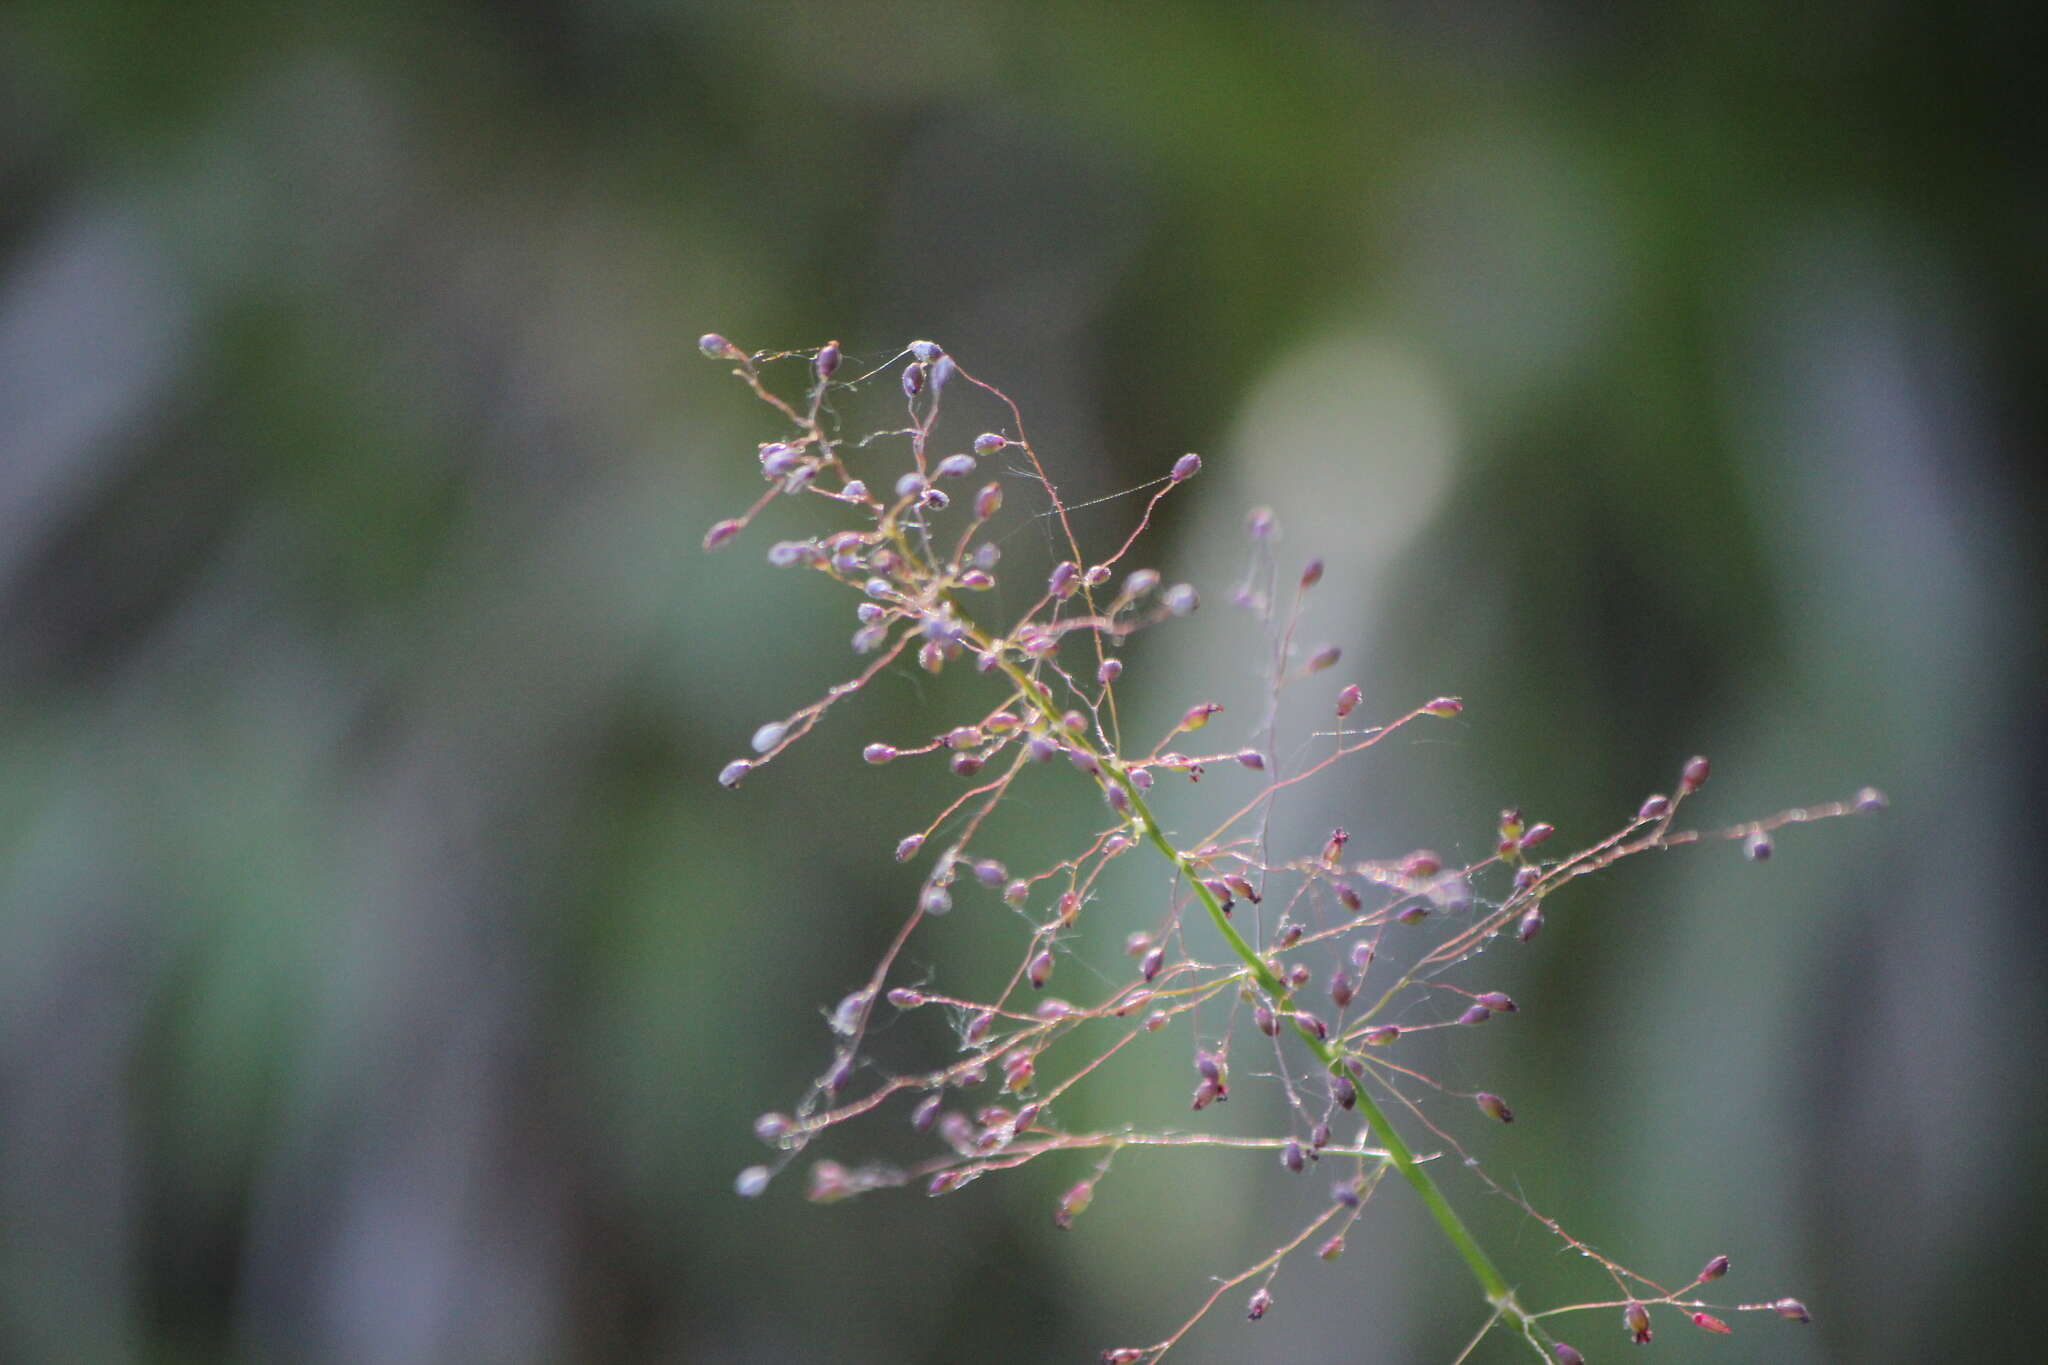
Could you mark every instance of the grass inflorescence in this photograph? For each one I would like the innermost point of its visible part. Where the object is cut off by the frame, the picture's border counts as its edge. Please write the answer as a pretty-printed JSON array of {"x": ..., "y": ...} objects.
[{"x": 1341, "y": 959}]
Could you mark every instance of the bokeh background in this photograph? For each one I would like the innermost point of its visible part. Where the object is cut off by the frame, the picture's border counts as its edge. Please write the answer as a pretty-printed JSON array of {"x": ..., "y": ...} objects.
[{"x": 384, "y": 979}]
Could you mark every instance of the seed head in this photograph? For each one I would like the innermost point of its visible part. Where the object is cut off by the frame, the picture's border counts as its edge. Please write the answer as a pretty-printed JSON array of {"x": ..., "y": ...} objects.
[
  {"x": 955, "y": 467},
  {"x": 907, "y": 847},
  {"x": 988, "y": 443},
  {"x": 1332, "y": 1249},
  {"x": 1326, "y": 657},
  {"x": 1444, "y": 707},
  {"x": 1344, "y": 1092},
  {"x": 1714, "y": 1269},
  {"x": 1348, "y": 896},
  {"x": 1792, "y": 1310},
  {"x": 1869, "y": 799},
  {"x": 716, "y": 346},
  {"x": 978, "y": 1027},
  {"x": 913, "y": 379},
  {"x": 1693, "y": 775},
  {"x": 1065, "y": 579},
  {"x": 1536, "y": 834},
  {"x": 1348, "y": 699},
  {"x": 1292, "y": 1157},
  {"x": 1707, "y": 1322},
  {"x": 1198, "y": 716},
  {"x": 1654, "y": 808},
  {"x": 751, "y": 1182},
  {"x": 1566, "y": 1355},
  {"x": 772, "y": 1127},
  {"x": 1186, "y": 467},
  {"x": 935, "y": 900},
  {"x": 925, "y": 1114},
  {"x": 1493, "y": 1106},
  {"x": 1531, "y": 924},
  {"x": 1151, "y": 962},
  {"x": 1180, "y": 600},
  {"x": 768, "y": 736},
  {"x": 1261, "y": 1301},
  {"x": 1475, "y": 1013},
  {"x": 1253, "y": 759},
  {"x": 904, "y": 998},
  {"x": 721, "y": 532},
  {"x": 1379, "y": 1035},
  {"x": 1635, "y": 1320},
  {"x": 1341, "y": 990},
  {"x": 1757, "y": 847},
  {"x": 1311, "y": 573},
  {"x": 733, "y": 773},
  {"x": 1497, "y": 1002},
  {"x": 1110, "y": 671}
]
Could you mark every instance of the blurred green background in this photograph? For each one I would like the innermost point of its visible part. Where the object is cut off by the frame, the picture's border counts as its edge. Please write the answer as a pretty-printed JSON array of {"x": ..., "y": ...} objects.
[{"x": 384, "y": 979}]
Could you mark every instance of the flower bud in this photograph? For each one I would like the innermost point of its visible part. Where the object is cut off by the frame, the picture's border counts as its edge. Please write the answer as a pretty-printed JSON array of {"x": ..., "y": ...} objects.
[
  {"x": 733, "y": 773},
  {"x": 1124, "y": 1355},
  {"x": 1694, "y": 775},
  {"x": 1475, "y": 1014},
  {"x": 1326, "y": 657},
  {"x": 988, "y": 443},
  {"x": 1041, "y": 748},
  {"x": 1097, "y": 575},
  {"x": 1412, "y": 914},
  {"x": 879, "y": 753},
  {"x": 751, "y": 1182},
  {"x": 1312, "y": 1024},
  {"x": 1654, "y": 808},
  {"x": 913, "y": 379},
  {"x": 1493, "y": 1106},
  {"x": 1206, "y": 1094},
  {"x": 1869, "y": 799},
  {"x": 955, "y": 467},
  {"x": 1186, "y": 467},
  {"x": 772, "y": 1128},
  {"x": 978, "y": 1027},
  {"x": 1497, "y": 1002},
  {"x": 1379, "y": 1035},
  {"x": 1348, "y": 699},
  {"x": 1065, "y": 579},
  {"x": 1792, "y": 1310},
  {"x": 1198, "y": 716},
  {"x": 1341, "y": 991},
  {"x": 966, "y": 765},
  {"x": 1251, "y": 758},
  {"x": 1714, "y": 1269},
  {"x": 1073, "y": 1204},
  {"x": 1444, "y": 707},
  {"x": 1757, "y": 847},
  {"x": 1536, "y": 834},
  {"x": 1344, "y": 1092},
  {"x": 1566, "y": 1355},
  {"x": 1635, "y": 1320},
  {"x": 1292, "y": 1158},
  {"x": 904, "y": 998},
  {"x": 1180, "y": 600},
  {"x": 1362, "y": 954},
  {"x": 1707, "y": 1322},
  {"x": 1261, "y": 1300},
  {"x": 1263, "y": 1020},
  {"x": 1319, "y": 1137},
  {"x": 1531, "y": 924},
  {"x": 1039, "y": 970},
  {"x": 1311, "y": 573},
  {"x": 721, "y": 532},
  {"x": 1420, "y": 864},
  {"x": 716, "y": 346},
  {"x": 935, "y": 900},
  {"x": 1111, "y": 670},
  {"x": 1332, "y": 1249},
  {"x": 1155, "y": 1021},
  {"x": 1348, "y": 896},
  {"x": 988, "y": 502},
  {"x": 907, "y": 847}
]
